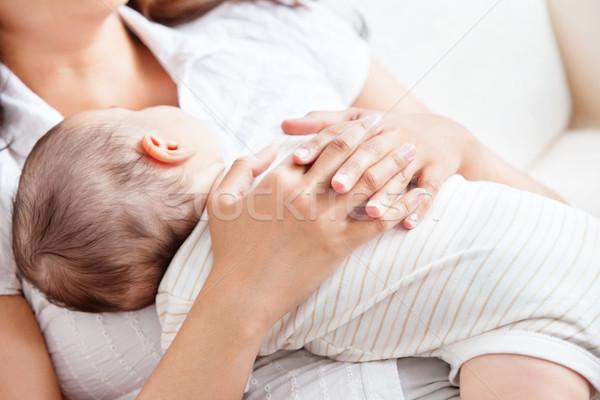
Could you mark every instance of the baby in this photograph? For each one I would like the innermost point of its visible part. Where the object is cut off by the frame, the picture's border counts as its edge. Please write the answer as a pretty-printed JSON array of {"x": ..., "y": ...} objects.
[{"x": 106, "y": 199}]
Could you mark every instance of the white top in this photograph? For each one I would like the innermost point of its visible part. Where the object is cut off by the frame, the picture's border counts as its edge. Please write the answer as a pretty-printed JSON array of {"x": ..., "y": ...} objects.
[
  {"x": 492, "y": 269},
  {"x": 253, "y": 64}
]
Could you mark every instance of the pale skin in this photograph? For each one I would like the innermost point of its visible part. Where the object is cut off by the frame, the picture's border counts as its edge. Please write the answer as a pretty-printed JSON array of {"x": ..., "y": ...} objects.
[{"x": 64, "y": 48}]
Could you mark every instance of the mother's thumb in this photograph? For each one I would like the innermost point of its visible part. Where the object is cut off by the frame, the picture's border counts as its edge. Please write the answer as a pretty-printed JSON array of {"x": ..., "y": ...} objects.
[{"x": 240, "y": 176}]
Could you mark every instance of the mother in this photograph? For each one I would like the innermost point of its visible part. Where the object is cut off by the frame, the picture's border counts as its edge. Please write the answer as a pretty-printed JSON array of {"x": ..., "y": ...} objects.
[{"x": 245, "y": 67}]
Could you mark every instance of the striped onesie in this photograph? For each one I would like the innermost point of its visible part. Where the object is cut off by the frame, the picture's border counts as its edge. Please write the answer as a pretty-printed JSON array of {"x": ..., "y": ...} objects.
[{"x": 490, "y": 269}]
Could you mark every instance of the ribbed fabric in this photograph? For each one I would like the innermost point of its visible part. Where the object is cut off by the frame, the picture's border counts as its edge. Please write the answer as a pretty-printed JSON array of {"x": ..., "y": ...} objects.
[
  {"x": 490, "y": 269},
  {"x": 302, "y": 375}
]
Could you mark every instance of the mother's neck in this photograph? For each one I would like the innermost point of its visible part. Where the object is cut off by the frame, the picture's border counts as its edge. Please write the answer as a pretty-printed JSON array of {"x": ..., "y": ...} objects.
[
  {"x": 71, "y": 47},
  {"x": 86, "y": 65}
]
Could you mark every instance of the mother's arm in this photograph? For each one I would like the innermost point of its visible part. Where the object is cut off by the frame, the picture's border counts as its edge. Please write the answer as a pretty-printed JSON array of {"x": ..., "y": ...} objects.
[
  {"x": 444, "y": 147},
  {"x": 213, "y": 352},
  {"x": 272, "y": 247},
  {"x": 25, "y": 371},
  {"x": 383, "y": 92}
]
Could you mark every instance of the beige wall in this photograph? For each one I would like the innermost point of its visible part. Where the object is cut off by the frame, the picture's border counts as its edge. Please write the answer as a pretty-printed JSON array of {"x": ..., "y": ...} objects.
[{"x": 577, "y": 27}]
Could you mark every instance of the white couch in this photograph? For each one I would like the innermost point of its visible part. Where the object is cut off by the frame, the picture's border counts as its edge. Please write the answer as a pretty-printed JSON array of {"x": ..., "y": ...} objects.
[{"x": 498, "y": 68}]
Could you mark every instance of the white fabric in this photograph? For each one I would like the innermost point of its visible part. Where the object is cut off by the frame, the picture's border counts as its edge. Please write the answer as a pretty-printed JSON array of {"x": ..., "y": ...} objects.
[
  {"x": 9, "y": 283},
  {"x": 571, "y": 167},
  {"x": 251, "y": 69},
  {"x": 504, "y": 81},
  {"x": 491, "y": 270},
  {"x": 252, "y": 64},
  {"x": 302, "y": 375},
  {"x": 426, "y": 378}
]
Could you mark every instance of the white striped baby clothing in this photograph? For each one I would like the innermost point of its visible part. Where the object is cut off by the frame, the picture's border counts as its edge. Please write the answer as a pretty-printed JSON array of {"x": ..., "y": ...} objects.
[{"x": 491, "y": 269}]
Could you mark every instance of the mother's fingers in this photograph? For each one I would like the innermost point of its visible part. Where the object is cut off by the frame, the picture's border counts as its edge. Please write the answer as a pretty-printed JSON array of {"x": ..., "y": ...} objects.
[
  {"x": 335, "y": 144},
  {"x": 345, "y": 136},
  {"x": 384, "y": 198},
  {"x": 316, "y": 121},
  {"x": 385, "y": 176},
  {"x": 394, "y": 214},
  {"x": 367, "y": 154},
  {"x": 430, "y": 180}
]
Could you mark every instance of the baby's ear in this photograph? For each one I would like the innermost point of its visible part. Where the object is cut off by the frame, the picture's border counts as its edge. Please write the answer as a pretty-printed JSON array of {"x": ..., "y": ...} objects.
[{"x": 168, "y": 153}]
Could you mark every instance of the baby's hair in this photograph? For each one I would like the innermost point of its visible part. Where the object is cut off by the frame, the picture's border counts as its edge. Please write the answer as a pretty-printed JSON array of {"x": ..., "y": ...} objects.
[{"x": 96, "y": 222}]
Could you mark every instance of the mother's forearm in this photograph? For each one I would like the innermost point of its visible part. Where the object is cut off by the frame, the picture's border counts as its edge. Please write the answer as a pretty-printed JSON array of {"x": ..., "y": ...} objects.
[
  {"x": 25, "y": 371},
  {"x": 214, "y": 351},
  {"x": 485, "y": 165}
]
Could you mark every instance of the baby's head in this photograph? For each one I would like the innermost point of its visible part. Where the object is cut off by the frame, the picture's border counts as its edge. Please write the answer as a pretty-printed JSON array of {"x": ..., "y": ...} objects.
[{"x": 105, "y": 200}]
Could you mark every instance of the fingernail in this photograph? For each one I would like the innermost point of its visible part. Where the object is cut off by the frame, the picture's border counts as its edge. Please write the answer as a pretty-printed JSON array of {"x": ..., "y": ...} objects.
[
  {"x": 377, "y": 206},
  {"x": 373, "y": 120},
  {"x": 417, "y": 194},
  {"x": 302, "y": 153},
  {"x": 408, "y": 150},
  {"x": 343, "y": 182},
  {"x": 412, "y": 220}
]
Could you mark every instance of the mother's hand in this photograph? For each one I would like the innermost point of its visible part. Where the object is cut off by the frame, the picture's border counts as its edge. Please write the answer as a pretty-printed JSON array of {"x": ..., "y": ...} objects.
[
  {"x": 283, "y": 238},
  {"x": 272, "y": 247},
  {"x": 444, "y": 148}
]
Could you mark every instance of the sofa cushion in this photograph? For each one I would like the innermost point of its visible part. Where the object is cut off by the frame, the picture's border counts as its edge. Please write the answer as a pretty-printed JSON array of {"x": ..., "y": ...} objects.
[
  {"x": 571, "y": 167},
  {"x": 504, "y": 80}
]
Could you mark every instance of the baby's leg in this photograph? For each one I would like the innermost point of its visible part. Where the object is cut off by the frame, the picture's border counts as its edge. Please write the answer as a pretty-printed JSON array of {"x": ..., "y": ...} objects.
[{"x": 508, "y": 376}]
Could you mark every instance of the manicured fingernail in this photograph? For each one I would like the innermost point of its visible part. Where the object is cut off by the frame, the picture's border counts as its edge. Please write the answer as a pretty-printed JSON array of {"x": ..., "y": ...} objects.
[
  {"x": 373, "y": 120},
  {"x": 408, "y": 150},
  {"x": 342, "y": 181},
  {"x": 412, "y": 220},
  {"x": 302, "y": 153},
  {"x": 377, "y": 208},
  {"x": 418, "y": 195}
]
